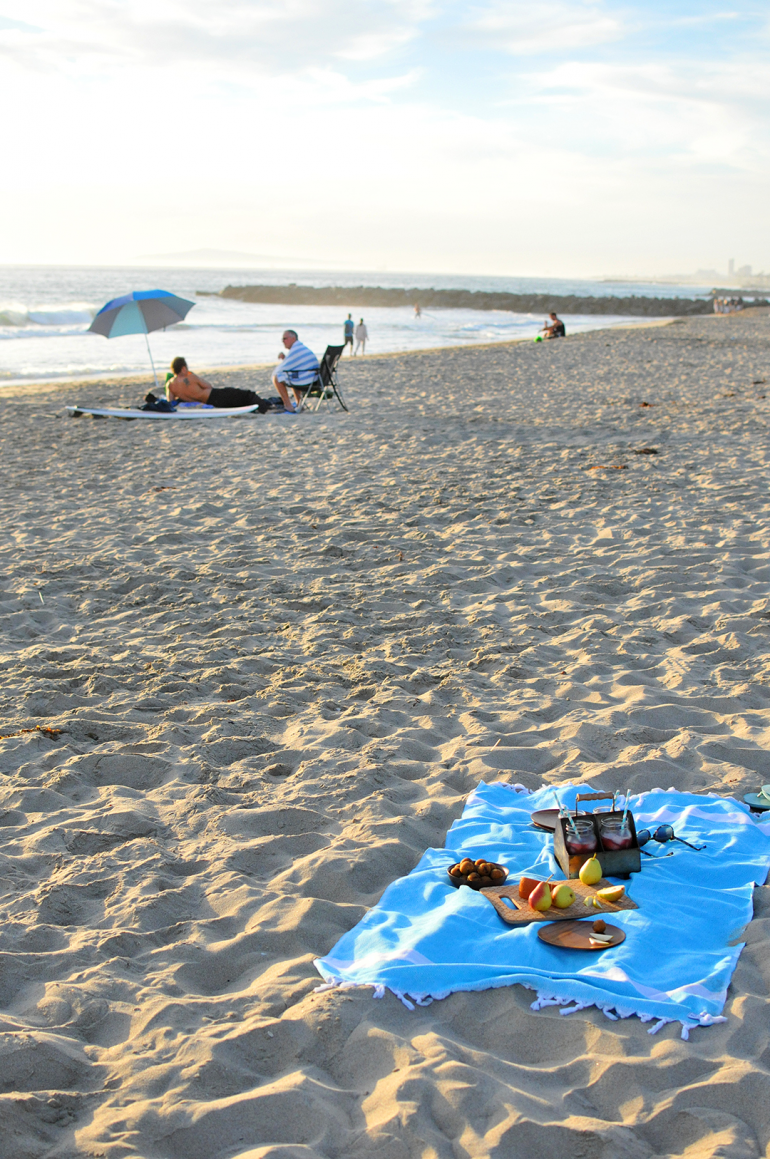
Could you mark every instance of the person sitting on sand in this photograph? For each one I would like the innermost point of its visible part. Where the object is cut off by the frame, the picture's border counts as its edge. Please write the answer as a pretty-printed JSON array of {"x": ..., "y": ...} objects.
[
  {"x": 298, "y": 368},
  {"x": 555, "y": 328},
  {"x": 188, "y": 387}
]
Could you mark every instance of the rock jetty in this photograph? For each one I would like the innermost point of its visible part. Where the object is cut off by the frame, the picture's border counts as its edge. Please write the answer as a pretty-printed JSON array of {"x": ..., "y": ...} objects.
[{"x": 355, "y": 297}]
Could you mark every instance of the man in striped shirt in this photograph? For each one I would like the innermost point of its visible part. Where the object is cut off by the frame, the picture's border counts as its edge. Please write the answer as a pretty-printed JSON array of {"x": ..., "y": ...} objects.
[{"x": 298, "y": 368}]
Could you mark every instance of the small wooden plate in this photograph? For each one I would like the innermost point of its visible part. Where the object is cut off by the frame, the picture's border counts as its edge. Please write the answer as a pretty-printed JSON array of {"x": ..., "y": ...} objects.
[
  {"x": 545, "y": 819},
  {"x": 576, "y": 935}
]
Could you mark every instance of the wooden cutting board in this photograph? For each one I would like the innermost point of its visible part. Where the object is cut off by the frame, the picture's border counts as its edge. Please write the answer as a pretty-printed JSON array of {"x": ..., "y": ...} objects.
[{"x": 523, "y": 914}]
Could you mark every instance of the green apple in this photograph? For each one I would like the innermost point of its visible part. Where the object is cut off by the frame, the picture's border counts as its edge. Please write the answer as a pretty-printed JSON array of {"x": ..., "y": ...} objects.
[{"x": 562, "y": 895}]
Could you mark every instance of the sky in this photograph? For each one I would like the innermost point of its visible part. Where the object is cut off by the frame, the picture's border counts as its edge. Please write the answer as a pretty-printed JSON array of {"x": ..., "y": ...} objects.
[{"x": 512, "y": 137}]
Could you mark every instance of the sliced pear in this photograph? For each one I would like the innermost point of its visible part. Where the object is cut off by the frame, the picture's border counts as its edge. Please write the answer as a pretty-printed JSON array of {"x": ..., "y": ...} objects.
[{"x": 611, "y": 893}]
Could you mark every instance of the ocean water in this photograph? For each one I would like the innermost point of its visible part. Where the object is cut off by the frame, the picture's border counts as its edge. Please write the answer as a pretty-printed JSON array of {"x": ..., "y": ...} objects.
[{"x": 45, "y": 313}]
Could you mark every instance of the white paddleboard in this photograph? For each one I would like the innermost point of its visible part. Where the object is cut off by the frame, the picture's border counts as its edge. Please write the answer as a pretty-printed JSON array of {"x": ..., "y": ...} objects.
[{"x": 182, "y": 413}]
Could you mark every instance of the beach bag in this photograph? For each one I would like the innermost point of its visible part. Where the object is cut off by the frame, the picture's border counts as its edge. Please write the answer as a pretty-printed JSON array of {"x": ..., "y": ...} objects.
[{"x": 158, "y": 404}]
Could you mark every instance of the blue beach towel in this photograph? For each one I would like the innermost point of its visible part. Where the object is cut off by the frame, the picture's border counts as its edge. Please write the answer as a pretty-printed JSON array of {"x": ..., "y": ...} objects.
[{"x": 426, "y": 939}]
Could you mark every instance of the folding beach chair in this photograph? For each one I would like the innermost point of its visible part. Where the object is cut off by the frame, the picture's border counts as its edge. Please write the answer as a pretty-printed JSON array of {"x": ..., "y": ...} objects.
[{"x": 326, "y": 387}]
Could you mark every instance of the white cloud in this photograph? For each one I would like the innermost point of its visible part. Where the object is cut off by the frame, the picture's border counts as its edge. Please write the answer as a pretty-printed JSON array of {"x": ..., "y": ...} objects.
[
  {"x": 16, "y": 25},
  {"x": 233, "y": 35},
  {"x": 542, "y": 26},
  {"x": 704, "y": 112},
  {"x": 155, "y": 125}
]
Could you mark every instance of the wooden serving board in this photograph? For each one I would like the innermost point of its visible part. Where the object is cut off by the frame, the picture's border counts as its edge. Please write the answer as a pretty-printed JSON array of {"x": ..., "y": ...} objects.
[
  {"x": 577, "y": 936},
  {"x": 523, "y": 914}
]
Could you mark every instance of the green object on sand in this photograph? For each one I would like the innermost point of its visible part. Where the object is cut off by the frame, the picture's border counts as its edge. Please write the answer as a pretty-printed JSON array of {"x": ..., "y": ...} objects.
[
  {"x": 760, "y": 800},
  {"x": 539, "y": 338}
]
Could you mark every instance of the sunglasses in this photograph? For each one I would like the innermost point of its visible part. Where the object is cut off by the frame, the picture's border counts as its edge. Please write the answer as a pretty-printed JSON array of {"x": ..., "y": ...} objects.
[{"x": 663, "y": 834}]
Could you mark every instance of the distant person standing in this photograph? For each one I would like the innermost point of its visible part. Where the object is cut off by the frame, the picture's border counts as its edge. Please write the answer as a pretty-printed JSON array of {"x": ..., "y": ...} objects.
[
  {"x": 417, "y": 310},
  {"x": 348, "y": 328},
  {"x": 361, "y": 336}
]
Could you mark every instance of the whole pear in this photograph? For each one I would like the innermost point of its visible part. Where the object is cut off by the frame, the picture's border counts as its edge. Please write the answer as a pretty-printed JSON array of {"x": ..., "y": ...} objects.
[
  {"x": 540, "y": 898},
  {"x": 590, "y": 871},
  {"x": 562, "y": 895}
]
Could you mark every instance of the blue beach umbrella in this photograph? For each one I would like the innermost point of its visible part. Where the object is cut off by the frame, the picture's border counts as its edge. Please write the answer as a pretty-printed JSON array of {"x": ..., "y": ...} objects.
[{"x": 140, "y": 313}]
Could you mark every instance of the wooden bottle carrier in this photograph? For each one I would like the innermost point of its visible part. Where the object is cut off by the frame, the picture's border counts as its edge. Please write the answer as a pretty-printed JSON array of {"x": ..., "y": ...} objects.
[{"x": 614, "y": 862}]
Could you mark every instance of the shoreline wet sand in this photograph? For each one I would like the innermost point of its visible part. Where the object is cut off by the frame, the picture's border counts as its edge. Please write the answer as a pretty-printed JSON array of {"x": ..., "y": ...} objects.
[
  {"x": 263, "y": 662},
  {"x": 255, "y": 372}
]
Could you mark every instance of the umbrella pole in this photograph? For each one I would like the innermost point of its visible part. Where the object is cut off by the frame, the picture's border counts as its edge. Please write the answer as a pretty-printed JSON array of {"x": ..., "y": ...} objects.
[{"x": 152, "y": 364}]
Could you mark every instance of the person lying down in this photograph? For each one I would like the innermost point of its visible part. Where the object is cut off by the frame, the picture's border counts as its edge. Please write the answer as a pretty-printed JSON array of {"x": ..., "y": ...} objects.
[{"x": 186, "y": 386}]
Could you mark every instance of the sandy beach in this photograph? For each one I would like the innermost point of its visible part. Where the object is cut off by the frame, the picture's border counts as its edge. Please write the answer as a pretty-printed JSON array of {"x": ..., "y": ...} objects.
[{"x": 251, "y": 671}]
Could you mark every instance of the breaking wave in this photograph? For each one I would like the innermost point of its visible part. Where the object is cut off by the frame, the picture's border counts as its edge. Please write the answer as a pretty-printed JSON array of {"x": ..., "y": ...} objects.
[{"x": 18, "y": 316}]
